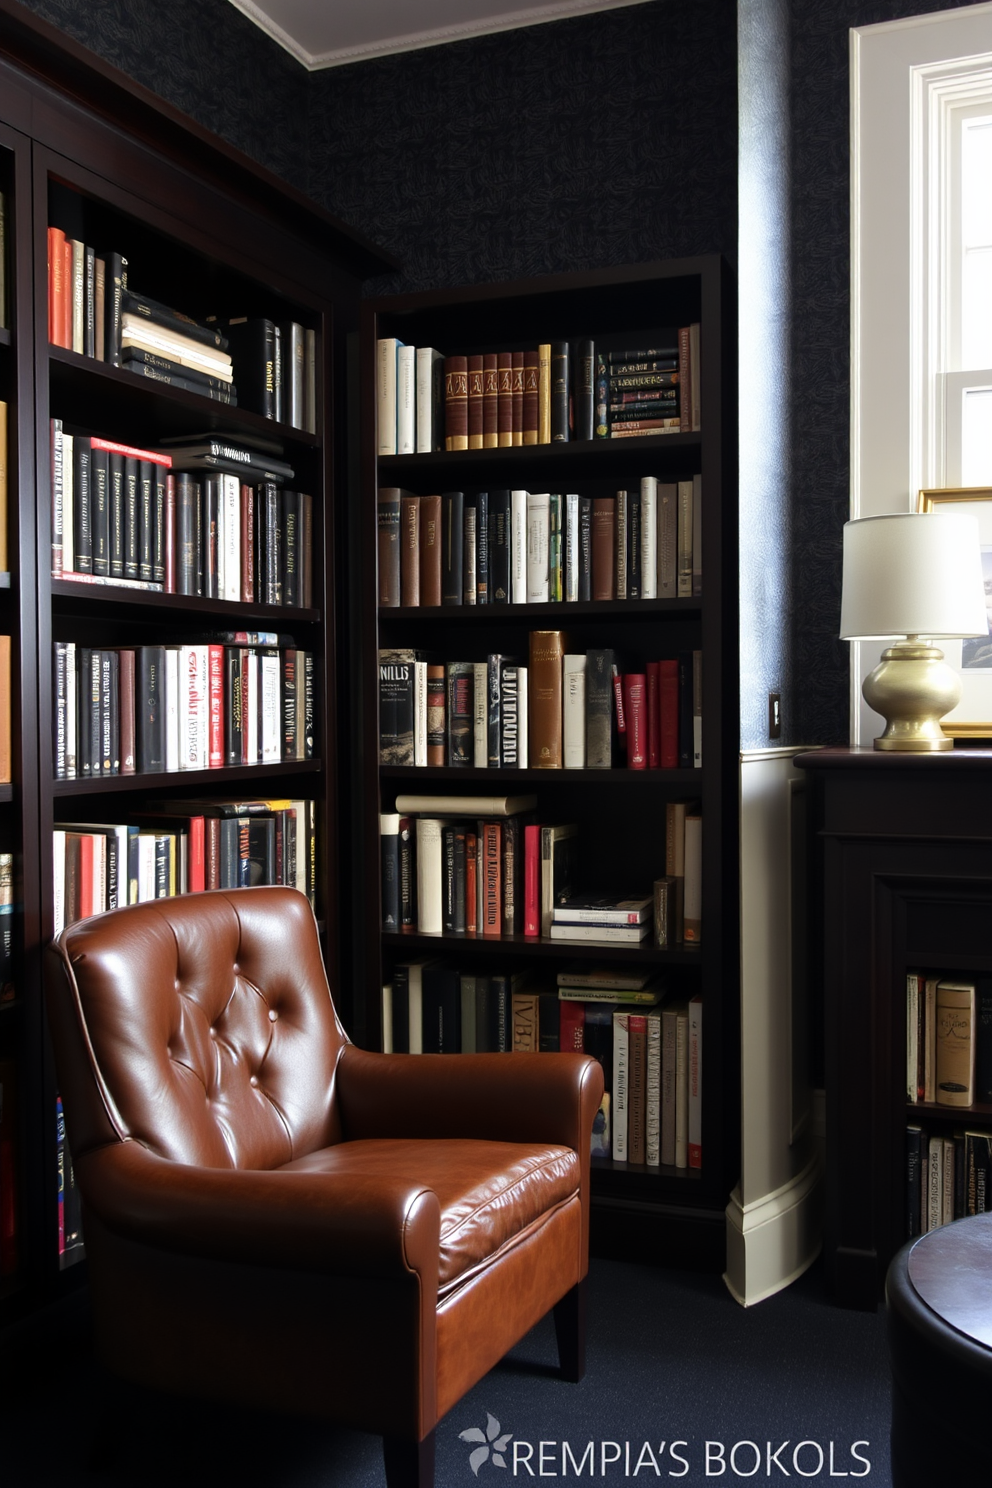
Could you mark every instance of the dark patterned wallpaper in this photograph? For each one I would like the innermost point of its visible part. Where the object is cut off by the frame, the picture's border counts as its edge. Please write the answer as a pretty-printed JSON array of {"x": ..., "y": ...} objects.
[
  {"x": 821, "y": 344},
  {"x": 205, "y": 58},
  {"x": 600, "y": 140}
]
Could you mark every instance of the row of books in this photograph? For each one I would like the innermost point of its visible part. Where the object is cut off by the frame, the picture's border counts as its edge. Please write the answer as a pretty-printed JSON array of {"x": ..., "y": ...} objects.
[
  {"x": 70, "y": 1214},
  {"x": 241, "y": 699},
  {"x": 524, "y": 547},
  {"x": 553, "y": 393},
  {"x": 487, "y": 866},
  {"x": 180, "y": 521},
  {"x": 182, "y": 847},
  {"x": 92, "y": 310},
  {"x": 947, "y": 1177},
  {"x": 269, "y": 366},
  {"x": 948, "y": 1039},
  {"x": 563, "y": 710},
  {"x": 647, "y": 1039}
]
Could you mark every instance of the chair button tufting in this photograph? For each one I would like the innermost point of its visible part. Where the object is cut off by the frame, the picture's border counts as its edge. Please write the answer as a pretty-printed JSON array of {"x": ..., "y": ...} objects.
[
  {"x": 253, "y": 1082},
  {"x": 273, "y": 1015},
  {"x": 213, "y": 1032}
]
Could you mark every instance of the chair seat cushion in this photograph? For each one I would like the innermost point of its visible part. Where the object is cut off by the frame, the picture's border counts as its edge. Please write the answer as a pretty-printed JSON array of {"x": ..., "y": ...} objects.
[{"x": 490, "y": 1193}]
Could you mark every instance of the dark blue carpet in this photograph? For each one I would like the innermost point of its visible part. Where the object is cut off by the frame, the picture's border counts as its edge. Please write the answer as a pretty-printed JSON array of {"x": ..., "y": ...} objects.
[{"x": 672, "y": 1359}]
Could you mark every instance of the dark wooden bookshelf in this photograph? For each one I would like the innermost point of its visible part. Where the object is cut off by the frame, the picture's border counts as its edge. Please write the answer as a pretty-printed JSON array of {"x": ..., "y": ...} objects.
[
  {"x": 907, "y": 871},
  {"x": 209, "y": 231},
  {"x": 620, "y": 812}
]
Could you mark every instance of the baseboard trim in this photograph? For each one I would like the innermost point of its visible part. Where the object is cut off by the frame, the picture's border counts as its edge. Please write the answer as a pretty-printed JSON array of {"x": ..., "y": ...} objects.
[{"x": 774, "y": 1240}]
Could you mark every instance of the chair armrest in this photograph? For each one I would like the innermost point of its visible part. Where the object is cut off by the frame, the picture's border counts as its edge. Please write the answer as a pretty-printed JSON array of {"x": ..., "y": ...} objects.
[
  {"x": 549, "y": 1098},
  {"x": 335, "y": 1224}
]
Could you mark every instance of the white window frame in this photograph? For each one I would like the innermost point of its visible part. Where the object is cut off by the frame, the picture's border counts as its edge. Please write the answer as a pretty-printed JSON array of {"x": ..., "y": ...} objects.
[{"x": 909, "y": 81}]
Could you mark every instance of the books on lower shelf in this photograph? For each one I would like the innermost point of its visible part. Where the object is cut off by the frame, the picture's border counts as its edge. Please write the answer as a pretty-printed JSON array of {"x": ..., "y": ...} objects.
[
  {"x": 948, "y": 1039},
  {"x": 948, "y": 1176},
  {"x": 239, "y": 698},
  {"x": 554, "y": 709},
  {"x": 182, "y": 847},
  {"x": 70, "y": 1226},
  {"x": 504, "y": 546},
  {"x": 549, "y": 393},
  {"x": 208, "y": 518}
]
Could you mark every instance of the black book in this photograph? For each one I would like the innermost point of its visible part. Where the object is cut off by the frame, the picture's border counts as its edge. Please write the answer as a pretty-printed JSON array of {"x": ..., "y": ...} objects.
[
  {"x": 150, "y": 708},
  {"x": 513, "y": 875},
  {"x": 81, "y": 505},
  {"x": 290, "y": 722},
  {"x": 600, "y": 712},
  {"x": 159, "y": 479},
  {"x": 278, "y": 380},
  {"x": 146, "y": 518},
  {"x": 185, "y": 534},
  {"x": 485, "y": 1020},
  {"x": 211, "y": 532},
  {"x": 460, "y": 876},
  {"x": 585, "y": 547},
  {"x": 100, "y": 510},
  {"x": 389, "y": 849},
  {"x": 452, "y": 547},
  {"x": 223, "y": 393},
  {"x": 493, "y": 697},
  {"x": 396, "y": 707},
  {"x": 309, "y": 704},
  {"x": 132, "y": 520},
  {"x": 500, "y": 1035},
  {"x": 261, "y": 850},
  {"x": 117, "y": 501},
  {"x": 59, "y": 702},
  {"x": 983, "y": 1041},
  {"x": 509, "y": 717},
  {"x": 96, "y": 713},
  {"x": 634, "y": 543},
  {"x": 84, "y": 757},
  {"x": 110, "y": 756},
  {"x": 234, "y": 738},
  {"x": 290, "y": 502},
  {"x": 273, "y": 542},
  {"x": 252, "y": 347},
  {"x": 172, "y": 320},
  {"x": 401, "y": 1008},
  {"x": 549, "y": 1023},
  {"x": 408, "y": 878},
  {"x": 482, "y": 593},
  {"x": 460, "y": 712},
  {"x": 560, "y": 392},
  {"x": 685, "y": 710},
  {"x": 499, "y": 547},
  {"x": 915, "y": 1147},
  {"x": 583, "y": 388},
  {"x": 442, "y": 1009},
  {"x": 115, "y": 286},
  {"x": 230, "y": 851},
  {"x": 135, "y": 358}
]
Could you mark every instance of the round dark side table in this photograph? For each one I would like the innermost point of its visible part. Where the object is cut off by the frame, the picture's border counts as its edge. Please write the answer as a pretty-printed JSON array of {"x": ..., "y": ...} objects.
[{"x": 939, "y": 1295}]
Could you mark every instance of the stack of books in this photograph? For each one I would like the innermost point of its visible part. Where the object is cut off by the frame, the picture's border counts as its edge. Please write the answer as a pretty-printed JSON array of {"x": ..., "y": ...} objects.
[
  {"x": 624, "y": 919},
  {"x": 169, "y": 346}
]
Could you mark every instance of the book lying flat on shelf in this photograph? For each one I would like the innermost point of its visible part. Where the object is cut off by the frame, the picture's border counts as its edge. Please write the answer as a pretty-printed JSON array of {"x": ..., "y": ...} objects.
[
  {"x": 604, "y": 909},
  {"x": 619, "y": 934}
]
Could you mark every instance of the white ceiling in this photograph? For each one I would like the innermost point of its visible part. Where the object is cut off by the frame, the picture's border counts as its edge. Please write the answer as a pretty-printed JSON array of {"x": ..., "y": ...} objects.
[{"x": 328, "y": 33}]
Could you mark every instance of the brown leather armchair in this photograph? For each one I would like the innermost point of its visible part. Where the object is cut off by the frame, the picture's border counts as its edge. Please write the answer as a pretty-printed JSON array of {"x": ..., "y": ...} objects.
[{"x": 275, "y": 1217}]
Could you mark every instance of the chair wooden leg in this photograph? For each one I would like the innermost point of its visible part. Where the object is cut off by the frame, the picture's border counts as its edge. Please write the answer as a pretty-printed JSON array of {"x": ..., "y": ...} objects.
[
  {"x": 570, "y": 1329},
  {"x": 409, "y": 1464}
]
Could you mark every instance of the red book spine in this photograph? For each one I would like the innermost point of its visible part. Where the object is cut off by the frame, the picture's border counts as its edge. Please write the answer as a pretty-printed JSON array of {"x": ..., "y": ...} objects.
[
  {"x": 492, "y": 886},
  {"x": 654, "y": 720},
  {"x": 668, "y": 713},
  {"x": 504, "y": 398},
  {"x": 87, "y": 876},
  {"x": 571, "y": 1027},
  {"x": 476, "y": 398},
  {"x": 247, "y": 545},
  {"x": 56, "y": 285},
  {"x": 169, "y": 534},
  {"x": 471, "y": 885},
  {"x": 131, "y": 452},
  {"x": 517, "y": 398},
  {"x": 455, "y": 407},
  {"x": 532, "y": 880},
  {"x": 635, "y": 702},
  {"x": 215, "y": 673},
  {"x": 196, "y": 847},
  {"x": 490, "y": 400}
]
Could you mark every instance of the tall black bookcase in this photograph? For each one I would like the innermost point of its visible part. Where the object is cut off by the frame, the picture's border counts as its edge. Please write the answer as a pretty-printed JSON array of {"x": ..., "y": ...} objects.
[
  {"x": 660, "y": 1213},
  {"x": 207, "y": 230}
]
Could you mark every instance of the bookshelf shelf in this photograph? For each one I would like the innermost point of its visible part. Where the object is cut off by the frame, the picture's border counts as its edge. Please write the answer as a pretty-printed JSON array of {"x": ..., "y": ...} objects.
[
  {"x": 620, "y": 813},
  {"x": 207, "y": 231}
]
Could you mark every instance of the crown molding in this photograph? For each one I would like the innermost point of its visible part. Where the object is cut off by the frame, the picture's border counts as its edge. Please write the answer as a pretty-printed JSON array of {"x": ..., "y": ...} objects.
[{"x": 417, "y": 40}]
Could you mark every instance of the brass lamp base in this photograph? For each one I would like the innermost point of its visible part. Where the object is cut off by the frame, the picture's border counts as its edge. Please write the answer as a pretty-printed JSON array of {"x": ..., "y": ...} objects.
[{"x": 913, "y": 687}]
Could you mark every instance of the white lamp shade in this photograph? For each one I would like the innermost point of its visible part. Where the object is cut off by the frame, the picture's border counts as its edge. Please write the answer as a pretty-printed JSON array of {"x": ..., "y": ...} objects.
[{"x": 913, "y": 573}]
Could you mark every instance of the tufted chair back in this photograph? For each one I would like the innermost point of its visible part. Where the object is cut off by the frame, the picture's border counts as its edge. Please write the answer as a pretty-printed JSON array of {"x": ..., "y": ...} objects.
[{"x": 206, "y": 1043}]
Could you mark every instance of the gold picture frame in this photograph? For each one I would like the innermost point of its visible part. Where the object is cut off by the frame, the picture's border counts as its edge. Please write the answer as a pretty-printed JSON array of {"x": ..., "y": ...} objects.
[{"x": 972, "y": 660}]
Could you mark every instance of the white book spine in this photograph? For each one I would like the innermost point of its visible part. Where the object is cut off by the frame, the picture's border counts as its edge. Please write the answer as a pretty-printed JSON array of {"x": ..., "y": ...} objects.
[
  {"x": 649, "y": 537},
  {"x": 518, "y": 547},
  {"x": 429, "y": 879},
  {"x": 68, "y": 506},
  {"x": 192, "y": 702},
  {"x": 523, "y": 730},
  {"x": 386, "y": 395},
  {"x": 480, "y": 715},
  {"x": 538, "y": 547},
  {"x": 123, "y": 896},
  {"x": 70, "y": 710},
  {"x": 652, "y": 1105},
  {"x": 231, "y": 508},
  {"x": 78, "y": 295},
  {"x": 695, "y": 1120},
  {"x": 387, "y": 1018},
  {"x": 574, "y": 712},
  {"x": 406, "y": 400},
  {"x": 172, "y": 708},
  {"x": 571, "y": 584},
  {"x": 621, "y": 1051},
  {"x": 682, "y": 1089},
  {"x": 427, "y": 357},
  {"x": 420, "y": 713},
  {"x": 99, "y": 873},
  {"x": 58, "y": 881},
  {"x": 250, "y": 708},
  {"x": 270, "y": 710},
  {"x": 146, "y": 867}
]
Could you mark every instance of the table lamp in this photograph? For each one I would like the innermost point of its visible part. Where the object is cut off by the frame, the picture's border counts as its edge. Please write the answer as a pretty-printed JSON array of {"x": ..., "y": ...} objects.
[{"x": 919, "y": 576}]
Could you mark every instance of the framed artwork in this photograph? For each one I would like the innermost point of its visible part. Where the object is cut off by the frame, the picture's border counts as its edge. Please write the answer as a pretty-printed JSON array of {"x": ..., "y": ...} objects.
[{"x": 972, "y": 718}]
